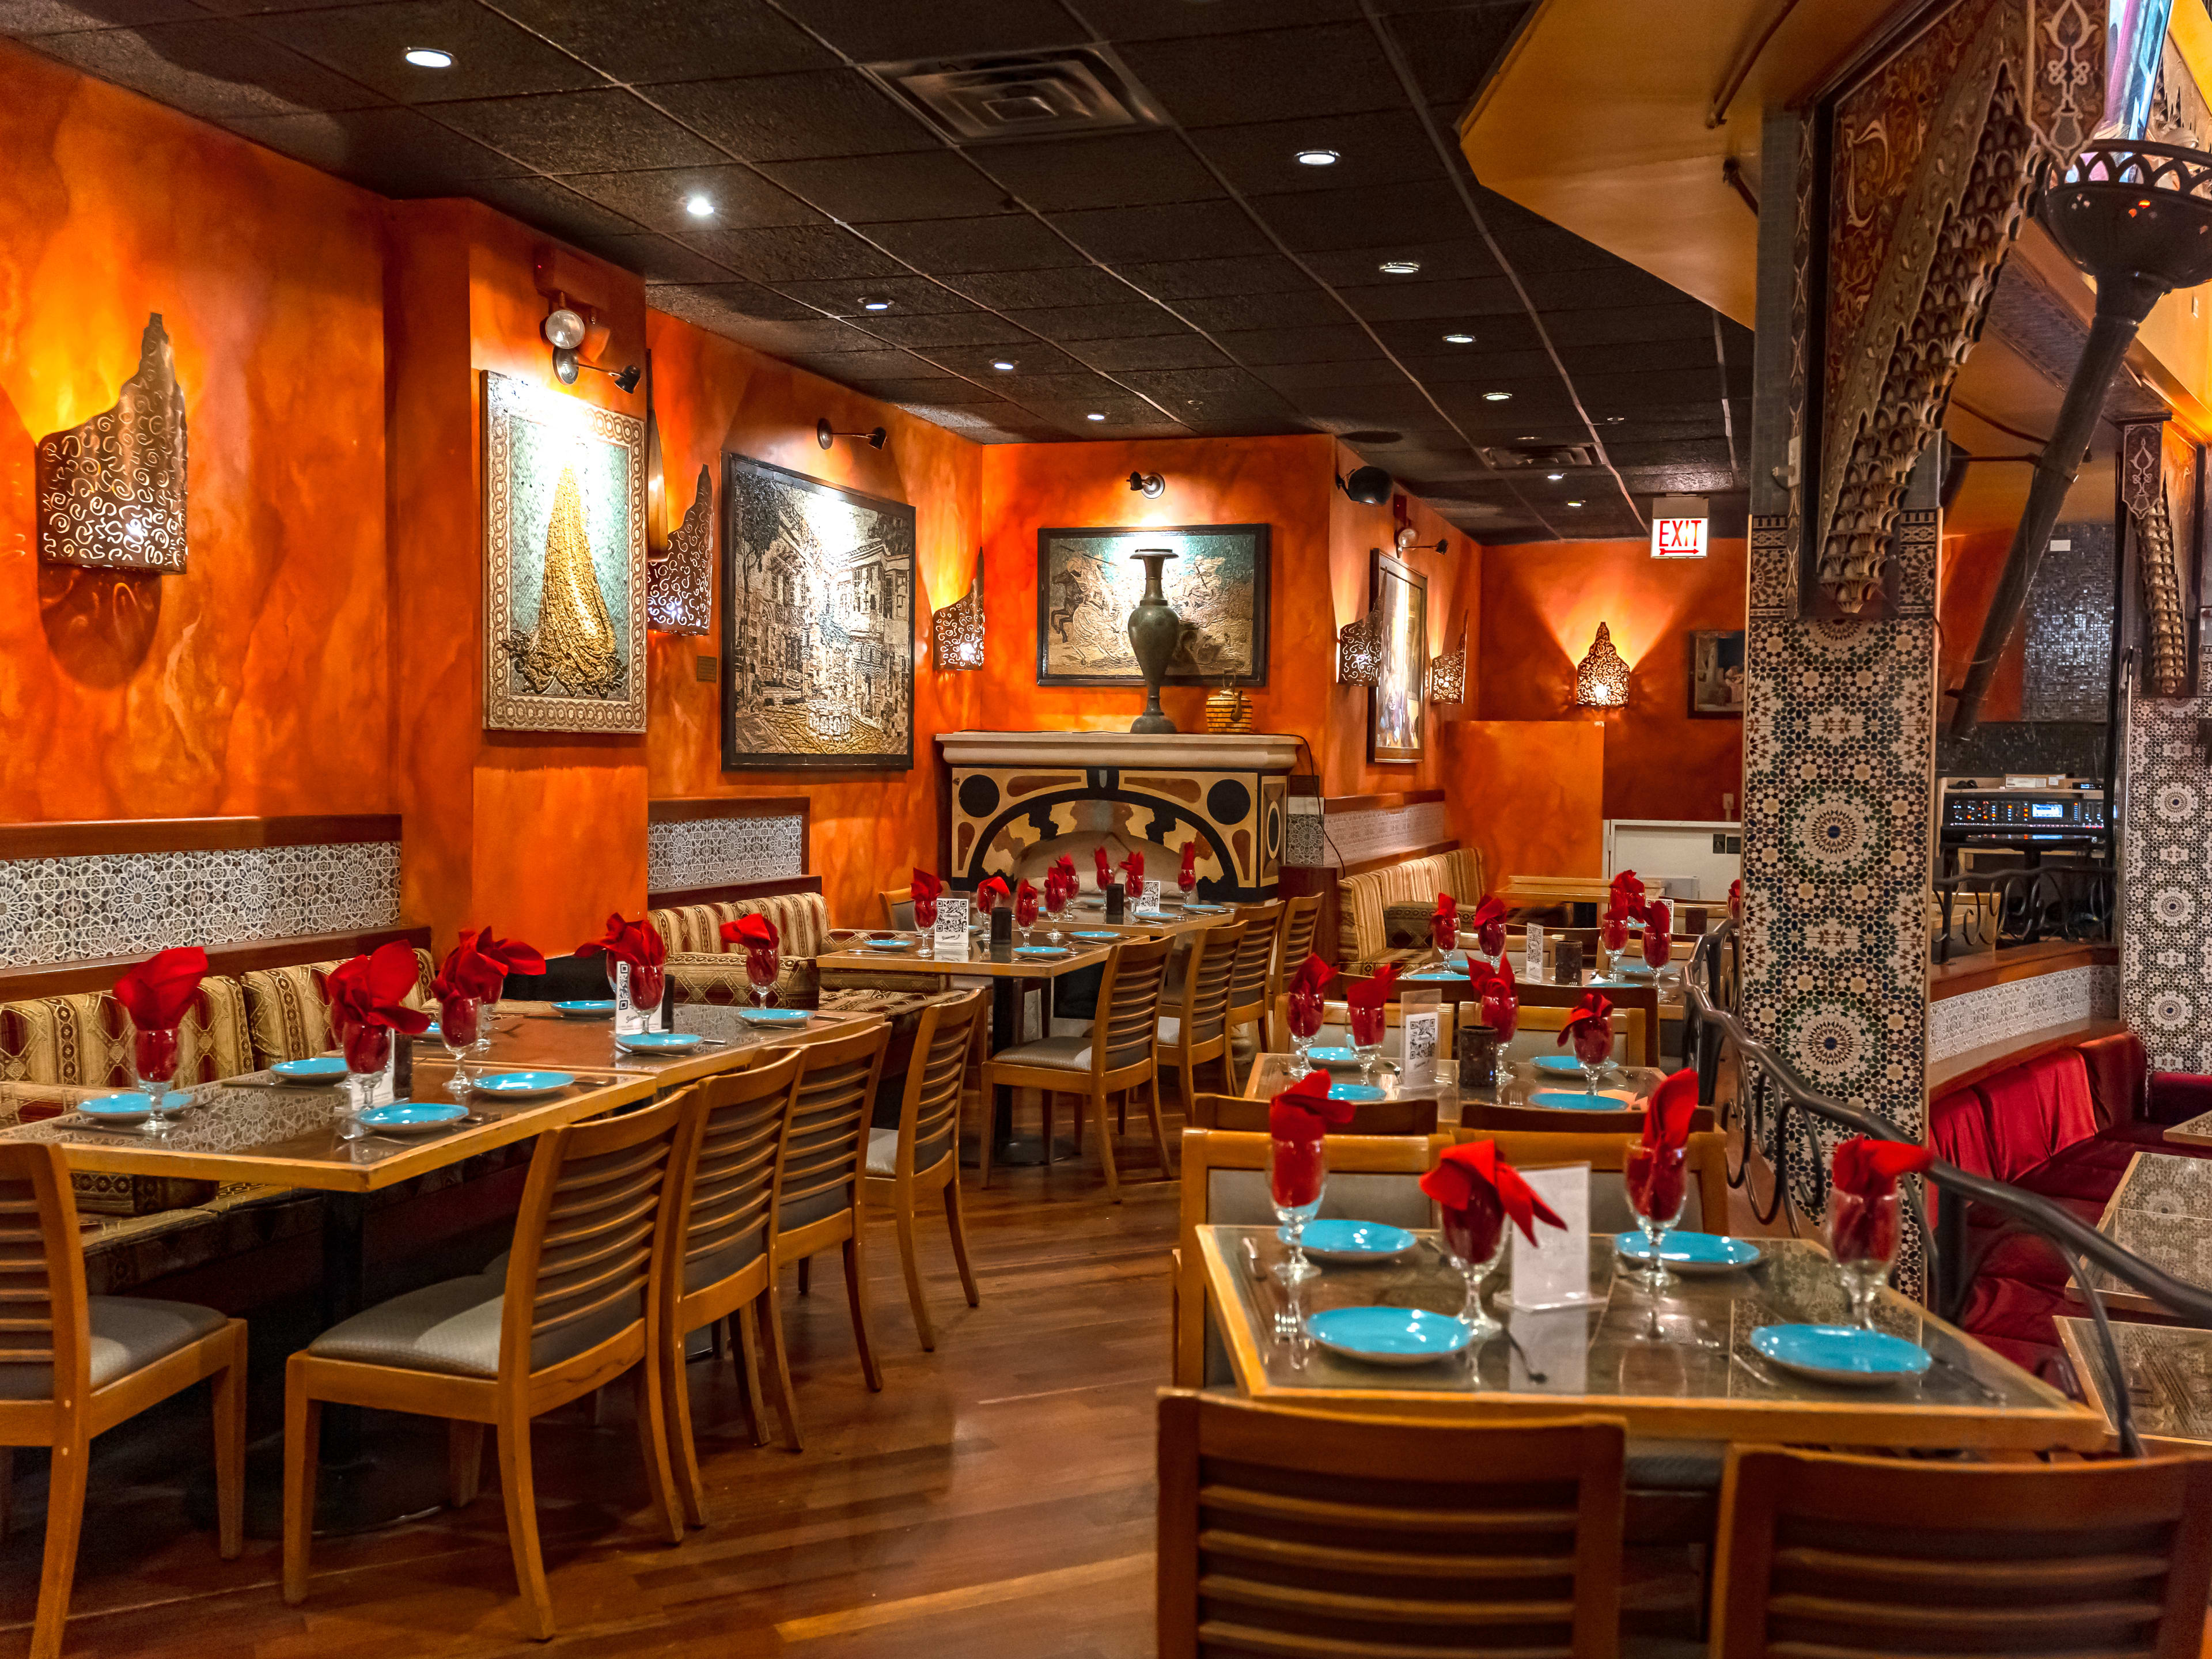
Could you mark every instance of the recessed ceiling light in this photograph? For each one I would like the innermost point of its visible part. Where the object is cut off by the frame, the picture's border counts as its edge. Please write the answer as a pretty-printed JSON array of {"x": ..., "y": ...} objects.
[
  {"x": 869, "y": 303},
  {"x": 429, "y": 57},
  {"x": 1094, "y": 416},
  {"x": 699, "y": 207},
  {"x": 1614, "y": 420},
  {"x": 1555, "y": 476},
  {"x": 1459, "y": 339},
  {"x": 1496, "y": 397},
  {"x": 1003, "y": 366},
  {"x": 1574, "y": 503},
  {"x": 1317, "y": 158},
  {"x": 1399, "y": 267}
]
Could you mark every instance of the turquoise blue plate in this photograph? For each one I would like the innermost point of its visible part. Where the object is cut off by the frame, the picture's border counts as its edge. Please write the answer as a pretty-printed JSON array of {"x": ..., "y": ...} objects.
[
  {"x": 1841, "y": 1353},
  {"x": 1365, "y": 1093},
  {"x": 1042, "y": 951},
  {"x": 1632, "y": 969},
  {"x": 1691, "y": 1253},
  {"x": 1334, "y": 1059},
  {"x": 432, "y": 1031},
  {"x": 1434, "y": 976},
  {"x": 1388, "y": 1336},
  {"x": 122, "y": 1108},
  {"x": 323, "y": 1068},
  {"x": 890, "y": 944},
  {"x": 665, "y": 1043},
  {"x": 584, "y": 1009},
  {"x": 1204, "y": 909},
  {"x": 1107, "y": 934},
  {"x": 520, "y": 1085},
  {"x": 1567, "y": 1103},
  {"x": 1353, "y": 1242},
  {"x": 412, "y": 1117},
  {"x": 1563, "y": 1065},
  {"x": 773, "y": 1016}
]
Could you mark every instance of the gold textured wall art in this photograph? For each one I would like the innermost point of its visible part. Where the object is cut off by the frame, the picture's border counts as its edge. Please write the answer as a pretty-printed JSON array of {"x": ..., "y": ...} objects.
[
  {"x": 679, "y": 586},
  {"x": 111, "y": 492}
]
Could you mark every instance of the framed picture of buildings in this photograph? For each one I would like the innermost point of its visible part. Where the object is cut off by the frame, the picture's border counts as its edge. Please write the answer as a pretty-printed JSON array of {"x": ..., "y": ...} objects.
[
  {"x": 564, "y": 563},
  {"x": 1088, "y": 582},
  {"x": 817, "y": 624},
  {"x": 1716, "y": 674},
  {"x": 1397, "y": 703}
]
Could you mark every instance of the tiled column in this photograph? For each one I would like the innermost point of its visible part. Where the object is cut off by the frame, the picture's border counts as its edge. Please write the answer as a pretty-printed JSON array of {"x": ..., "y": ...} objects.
[{"x": 1838, "y": 744}]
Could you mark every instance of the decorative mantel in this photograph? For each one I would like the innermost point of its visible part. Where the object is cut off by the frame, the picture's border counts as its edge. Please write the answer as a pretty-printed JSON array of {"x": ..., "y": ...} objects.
[{"x": 1018, "y": 800}]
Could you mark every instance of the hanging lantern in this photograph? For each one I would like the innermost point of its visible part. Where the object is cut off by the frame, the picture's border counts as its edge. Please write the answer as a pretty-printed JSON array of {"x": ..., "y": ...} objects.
[
  {"x": 1359, "y": 651},
  {"x": 1448, "y": 674},
  {"x": 1602, "y": 678},
  {"x": 956, "y": 630}
]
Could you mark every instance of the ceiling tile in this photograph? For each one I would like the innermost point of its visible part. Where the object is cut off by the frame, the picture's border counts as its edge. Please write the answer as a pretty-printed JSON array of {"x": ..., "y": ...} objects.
[
  {"x": 1134, "y": 169},
  {"x": 1033, "y": 357},
  {"x": 1366, "y": 217},
  {"x": 658, "y": 259},
  {"x": 1156, "y": 352},
  {"x": 23, "y": 20},
  {"x": 1677, "y": 321},
  {"x": 492, "y": 58},
  {"x": 743, "y": 299},
  {"x": 1314, "y": 307},
  {"x": 1269, "y": 273},
  {"x": 1187, "y": 230},
  {"x": 874, "y": 363},
  {"x": 943, "y": 389},
  {"x": 398, "y": 152},
  {"x": 910, "y": 296},
  {"x": 1617, "y": 283},
  {"x": 921, "y": 184},
  {"x": 551, "y": 205},
  {"x": 1016, "y": 290},
  {"x": 1098, "y": 322},
  {"x": 673, "y": 39},
  {"x": 604, "y": 132},
  {"x": 1147, "y": 19},
  {"x": 1297, "y": 345},
  {"x": 1034, "y": 389},
  {"x": 1374, "y": 147},
  {"x": 789, "y": 117},
  {"x": 1459, "y": 258},
  {"x": 1480, "y": 367},
  {"x": 869, "y": 29},
  {"x": 1294, "y": 379},
  {"x": 1224, "y": 382},
  {"x": 1691, "y": 357},
  {"x": 796, "y": 253},
  {"x": 1452, "y": 49},
  {"x": 968, "y": 328},
  {"x": 1002, "y": 242},
  {"x": 741, "y": 199},
  {"x": 1273, "y": 75},
  {"x": 1474, "y": 303},
  {"x": 212, "y": 68}
]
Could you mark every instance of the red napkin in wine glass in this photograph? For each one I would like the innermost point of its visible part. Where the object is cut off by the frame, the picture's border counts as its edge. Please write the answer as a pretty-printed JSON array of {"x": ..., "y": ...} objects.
[
  {"x": 1626, "y": 900},
  {"x": 1373, "y": 993},
  {"x": 1025, "y": 900},
  {"x": 1445, "y": 914},
  {"x": 753, "y": 932},
  {"x": 158, "y": 993},
  {"x": 371, "y": 991},
  {"x": 1659, "y": 917},
  {"x": 1475, "y": 1175},
  {"x": 993, "y": 890},
  {"x": 1868, "y": 1170},
  {"x": 1105, "y": 869},
  {"x": 924, "y": 885},
  {"x": 1488, "y": 924},
  {"x": 637, "y": 942},
  {"x": 1187, "y": 876},
  {"x": 1589, "y": 1026},
  {"x": 1069, "y": 881},
  {"x": 1735, "y": 900},
  {"x": 1501, "y": 1000},
  {"x": 512, "y": 954},
  {"x": 1656, "y": 1172},
  {"x": 1132, "y": 871},
  {"x": 1313, "y": 976},
  {"x": 1304, "y": 1112},
  {"x": 468, "y": 972}
]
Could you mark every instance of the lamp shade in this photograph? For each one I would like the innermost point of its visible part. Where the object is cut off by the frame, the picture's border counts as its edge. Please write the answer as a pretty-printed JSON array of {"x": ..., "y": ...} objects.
[
  {"x": 1359, "y": 651},
  {"x": 1602, "y": 678},
  {"x": 956, "y": 630},
  {"x": 1447, "y": 673}
]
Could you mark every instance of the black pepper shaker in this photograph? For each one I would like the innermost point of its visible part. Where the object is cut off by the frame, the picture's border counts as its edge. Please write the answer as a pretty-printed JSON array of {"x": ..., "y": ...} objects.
[
  {"x": 1116, "y": 900},
  {"x": 1002, "y": 933}
]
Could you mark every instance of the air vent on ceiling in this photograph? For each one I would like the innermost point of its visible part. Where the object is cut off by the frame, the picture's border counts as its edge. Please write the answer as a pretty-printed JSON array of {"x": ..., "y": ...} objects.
[
  {"x": 1032, "y": 95},
  {"x": 1554, "y": 457}
]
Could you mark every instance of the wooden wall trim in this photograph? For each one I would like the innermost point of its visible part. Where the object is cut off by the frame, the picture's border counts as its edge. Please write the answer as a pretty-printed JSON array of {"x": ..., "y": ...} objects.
[
  {"x": 687, "y": 809},
  {"x": 677, "y": 897},
  {"x": 1979, "y": 971},
  {"x": 86, "y": 837},
  {"x": 1406, "y": 857},
  {"x": 1975, "y": 1064},
  {"x": 1334, "y": 804},
  {"x": 55, "y": 979}
]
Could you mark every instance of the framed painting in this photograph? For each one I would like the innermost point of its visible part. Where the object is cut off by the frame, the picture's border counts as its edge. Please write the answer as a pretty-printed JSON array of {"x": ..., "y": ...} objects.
[
  {"x": 1397, "y": 703},
  {"x": 1716, "y": 674},
  {"x": 1088, "y": 581},
  {"x": 817, "y": 624},
  {"x": 564, "y": 563}
]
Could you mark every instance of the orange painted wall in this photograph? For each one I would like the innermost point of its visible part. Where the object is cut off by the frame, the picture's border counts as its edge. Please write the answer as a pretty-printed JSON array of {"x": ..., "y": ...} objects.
[
  {"x": 1966, "y": 583},
  {"x": 1542, "y": 603},
  {"x": 1527, "y": 794},
  {"x": 256, "y": 682}
]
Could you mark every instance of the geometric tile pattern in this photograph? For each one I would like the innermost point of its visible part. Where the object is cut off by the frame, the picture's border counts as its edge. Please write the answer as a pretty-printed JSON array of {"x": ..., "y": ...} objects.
[
  {"x": 722, "y": 851},
  {"x": 122, "y": 904},
  {"x": 1366, "y": 833},
  {"x": 2166, "y": 889},
  {"x": 1302, "y": 841},
  {"x": 2067, "y": 649},
  {"x": 2000, "y": 1013}
]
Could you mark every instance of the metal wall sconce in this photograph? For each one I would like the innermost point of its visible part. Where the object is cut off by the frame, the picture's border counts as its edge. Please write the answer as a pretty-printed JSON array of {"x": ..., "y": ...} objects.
[
  {"x": 566, "y": 328},
  {"x": 1370, "y": 486},
  {"x": 956, "y": 630},
  {"x": 1150, "y": 485},
  {"x": 1359, "y": 651},
  {"x": 1602, "y": 678},
  {"x": 1406, "y": 543},
  {"x": 825, "y": 437},
  {"x": 1448, "y": 674}
]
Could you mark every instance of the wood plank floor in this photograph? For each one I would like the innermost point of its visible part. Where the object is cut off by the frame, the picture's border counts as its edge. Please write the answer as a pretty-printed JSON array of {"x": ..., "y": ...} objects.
[{"x": 995, "y": 1498}]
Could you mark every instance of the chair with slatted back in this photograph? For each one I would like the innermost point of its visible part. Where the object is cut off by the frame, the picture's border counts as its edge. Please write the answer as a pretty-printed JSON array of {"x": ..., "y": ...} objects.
[
  {"x": 1198, "y": 1029},
  {"x": 1115, "y": 1055},
  {"x": 1252, "y": 981},
  {"x": 1393, "y": 1116},
  {"x": 72, "y": 1366},
  {"x": 577, "y": 1306},
  {"x": 1307, "y": 1532},
  {"x": 924, "y": 1151},
  {"x": 1704, "y": 1209},
  {"x": 820, "y": 1195},
  {"x": 1874, "y": 1557},
  {"x": 1294, "y": 937},
  {"x": 717, "y": 1265},
  {"x": 1537, "y": 1029},
  {"x": 898, "y": 908}
]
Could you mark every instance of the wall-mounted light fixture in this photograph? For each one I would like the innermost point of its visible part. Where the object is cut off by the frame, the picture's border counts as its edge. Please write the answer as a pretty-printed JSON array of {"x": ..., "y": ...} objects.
[
  {"x": 1406, "y": 542},
  {"x": 956, "y": 630},
  {"x": 1369, "y": 486},
  {"x": 1447, "y": 673},
  {"x": 1359, "y": 651},
  {"x": 1150, "y": 485},
  {"x": 1602, "y": 678},
  {"x": 824, "y": 436},
  {"x": 567, "y": 328}
]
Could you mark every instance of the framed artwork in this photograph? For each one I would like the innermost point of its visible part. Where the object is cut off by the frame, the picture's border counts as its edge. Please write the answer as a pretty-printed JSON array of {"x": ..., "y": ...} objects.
[
  {"x": 1088, "y": 583},
  {"x": 564, "y": 563},
  {"x": 1716, "y": 674},
  {"x": 817, "y": 624},
  {"x": 1397, "y": 704}
]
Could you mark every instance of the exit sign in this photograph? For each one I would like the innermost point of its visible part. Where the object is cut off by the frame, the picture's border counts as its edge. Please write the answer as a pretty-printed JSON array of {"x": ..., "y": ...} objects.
[{"x": 1678, "y": 528}]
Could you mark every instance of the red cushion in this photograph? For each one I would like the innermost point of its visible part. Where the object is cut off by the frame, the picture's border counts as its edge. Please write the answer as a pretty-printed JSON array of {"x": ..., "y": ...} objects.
[
  {"x": 1959, "y": 1130},
  {"x": 2016, "y": 1320},
  {"x": 2116, "y": 1067},
  {"x": 2088, "y": 1171},
  {"x": 2037, "y": 1109},
  {"x": 2177, "y": 1097}
]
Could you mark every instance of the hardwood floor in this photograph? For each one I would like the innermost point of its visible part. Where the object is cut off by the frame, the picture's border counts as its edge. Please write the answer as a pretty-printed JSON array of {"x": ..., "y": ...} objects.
[{"x": 995, "y": 1498}]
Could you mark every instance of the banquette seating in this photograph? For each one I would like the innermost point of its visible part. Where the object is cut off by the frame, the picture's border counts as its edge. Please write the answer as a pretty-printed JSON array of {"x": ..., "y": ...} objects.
[{"x": 1363, "y": 901}]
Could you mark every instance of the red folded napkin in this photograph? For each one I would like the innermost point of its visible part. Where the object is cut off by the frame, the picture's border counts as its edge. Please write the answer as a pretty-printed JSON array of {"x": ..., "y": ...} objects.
[
  {"x": 467, "y": 972},
  {"x": 1313, "y": 976},
  {"x": 1132, "y": 871},
  {"x": 511, "y": 954},
  {"x": 753, "y": 932},
  {"x": 158, "y": 993},
  {"x": 1025, "y": 891},
  {"x": 1501, "y": 1000},
  {"x": 1304, "y": 1113},
  {"x": 1105, "y": 870},
  {"x": 1447, "y": 911},
  {"x": 1668, "y": 1115},
  {"x": 1472, "y": 1175},
  {"x": 637, "y": 942},
  {"x": 1488, "y": 924},
  {"x": 1735, "y": 900},
  {"x": 1373, "y": 992},
  {"x": 1626, "y": 900},
  {"x": 1656, "y": 1173},
  {"x": 1188, "y": 874},
  {"x": 1867, "y": 1167},
  {"x": 1051, "y": 885},
  {"x": 1596, "y": 1006},
  {"x": 371, "y": 991},
  {"x": 1491, "y": 909},
  {"x": 993, "y": 890},
  {"x": 1658, "y": 917},
  {"x": 924, "y": 885}
]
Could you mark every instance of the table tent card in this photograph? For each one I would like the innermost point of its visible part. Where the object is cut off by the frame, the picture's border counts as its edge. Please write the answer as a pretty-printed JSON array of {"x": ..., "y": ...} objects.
[
  {"x": 951, "y": 943},
  {"x": 1554, "y": 1271}
]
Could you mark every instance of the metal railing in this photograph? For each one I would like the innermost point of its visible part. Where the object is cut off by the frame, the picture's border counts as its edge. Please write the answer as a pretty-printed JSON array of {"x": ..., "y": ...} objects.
[
  {"x": 2072, "y": 902},
  {"x": 1773, "y": 1094}
]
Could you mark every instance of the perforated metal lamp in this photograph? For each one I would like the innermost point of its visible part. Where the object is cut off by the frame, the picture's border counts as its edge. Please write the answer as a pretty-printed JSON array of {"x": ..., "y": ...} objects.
[
  {"x": 1602, "y": 678},
  {"x": 1447, "y": 673},
  {"x": 1359, "y": 651},
  {"x": 956, "y": 630}
]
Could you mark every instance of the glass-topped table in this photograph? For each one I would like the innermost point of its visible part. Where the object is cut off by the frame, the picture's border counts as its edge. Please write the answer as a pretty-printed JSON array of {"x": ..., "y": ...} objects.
[
  {"x": 2169, "y": 1371},
  {"x": 1701, "y": 1380},
  {"x": 1626, "y": 1087},
  {"x": 2162, "y": 1211}
]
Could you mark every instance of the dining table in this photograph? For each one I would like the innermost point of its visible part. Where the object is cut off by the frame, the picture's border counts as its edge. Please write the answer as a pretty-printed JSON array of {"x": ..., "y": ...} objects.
[
  {"x": 2169, "y": 1371},
  {"x": 2162, "y": 1211},
  {"x": 1681, "y": 1365},
  {"x": 1624, "y": 1088}
]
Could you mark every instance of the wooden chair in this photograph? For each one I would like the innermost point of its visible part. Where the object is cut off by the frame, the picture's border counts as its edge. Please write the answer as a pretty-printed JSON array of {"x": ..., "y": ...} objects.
[
  {"x": 1707, "y": 1211},
  {"x": 717, "y": 1265},
  {"x": 1369, "y": 1117},
  {"x": 1477, "y": 1117},
  {"x": 1198, "y": 1031},
  {"x": 72, "y": 1366},
  {"x": 1091, "y": 1068},
  {"x": 1294, "y": 937},
  {"x": 1641, "y": 1000},
  {"x": 1251, "y": 982},
  {"x": 1224, "y": 1183},
  {"x": 578, "y": 1305},
  {"x": 924, "y": 1151},
  {"x": 898, "y": 908},
  {"x": 1874, "y": 1556},
  {"x": 1536, "y": 1031},
  {"x": 1293, "y": 1532},
  {"x": 821, "y": 1195}
]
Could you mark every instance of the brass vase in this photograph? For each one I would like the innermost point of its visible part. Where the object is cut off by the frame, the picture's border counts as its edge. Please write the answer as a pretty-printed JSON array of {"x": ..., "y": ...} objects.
[{"x": 1154, "y": 631}]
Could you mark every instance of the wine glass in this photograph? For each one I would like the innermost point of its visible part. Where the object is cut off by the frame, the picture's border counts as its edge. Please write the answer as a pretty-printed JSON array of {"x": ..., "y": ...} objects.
[
  {"x": 1613, "y": 933},
  {"x": 1305, "y": 1012},
  {"x": 1055, "y": 906},
  {"x": 1443, "y": 934},
  {"x": 762, "y": 967},
  {"x": 1187, "y": 883},
  {"x": 153, "y": 1055},
  {"x": 1368, "y": 1022},
  {"x": 1505, "y": 1018},
  {"x": 1655, "y": 1179},
  {"x": 1593, "y": 1040},
  {"x": 1474, "y": 1238},
  {"x": 924, "y": 920},
  {"x": 1658, "y": 948},
  {"x": 1862, "y": 1233},
  {"x": 460, "y": 1021},
  {"x": 367, "y": 1054},
  {"x": 1025, "y": 910},
  {"x": 1296, "y": 1172},
  {"x": 1490, "y": 937}
]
